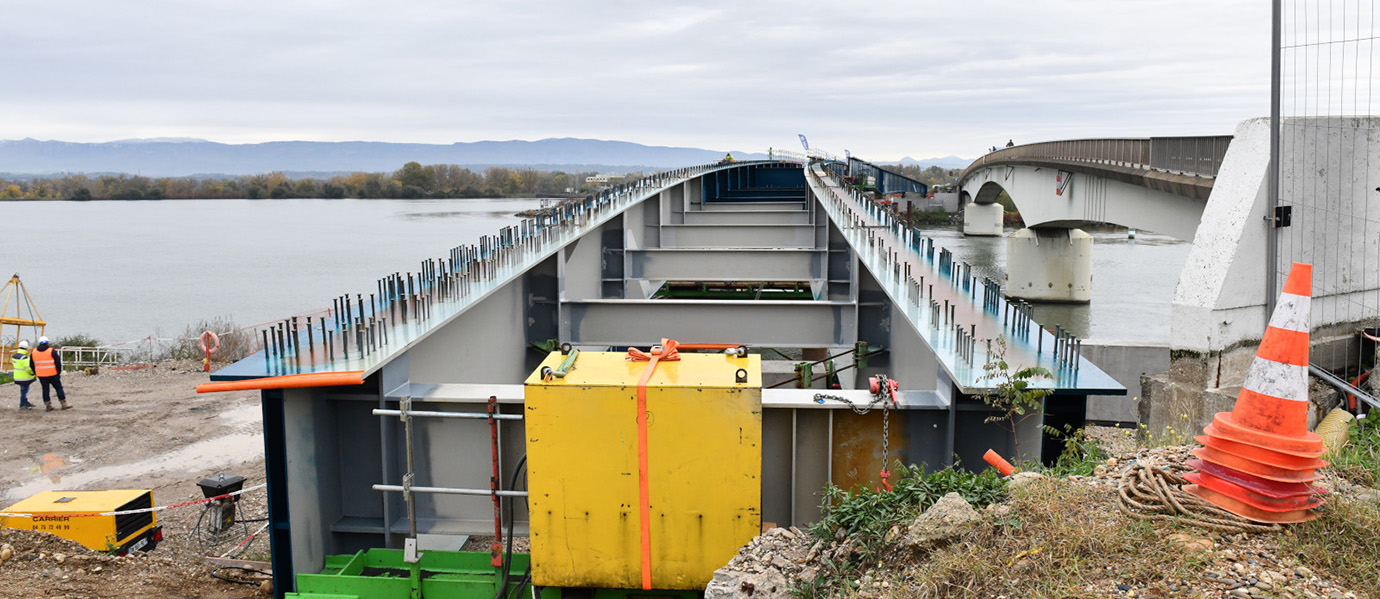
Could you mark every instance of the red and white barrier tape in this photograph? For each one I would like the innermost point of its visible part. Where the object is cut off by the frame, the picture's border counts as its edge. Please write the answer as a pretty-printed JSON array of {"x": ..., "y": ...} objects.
[
  {"x": 138, "y": 511},
  {"x": 323, "y": 312},
  {"x": 245, "y": 541}
]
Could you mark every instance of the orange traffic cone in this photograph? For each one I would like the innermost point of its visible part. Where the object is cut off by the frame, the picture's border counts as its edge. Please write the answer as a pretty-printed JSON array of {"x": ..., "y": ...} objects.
[{"x": 1257, "y": 460}]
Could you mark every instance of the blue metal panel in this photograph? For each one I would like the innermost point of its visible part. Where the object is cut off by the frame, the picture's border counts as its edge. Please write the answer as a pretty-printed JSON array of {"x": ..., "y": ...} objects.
[{"x": 275, "y": 469}]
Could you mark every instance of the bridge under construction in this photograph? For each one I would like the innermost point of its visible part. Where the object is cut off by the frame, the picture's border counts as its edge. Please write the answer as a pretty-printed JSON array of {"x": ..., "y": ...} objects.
[{"x": 696, "y": 352}]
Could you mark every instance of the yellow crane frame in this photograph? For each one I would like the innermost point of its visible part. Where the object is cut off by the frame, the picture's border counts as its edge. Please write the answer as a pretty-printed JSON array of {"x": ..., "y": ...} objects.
[{"x": 18, "y": 296}]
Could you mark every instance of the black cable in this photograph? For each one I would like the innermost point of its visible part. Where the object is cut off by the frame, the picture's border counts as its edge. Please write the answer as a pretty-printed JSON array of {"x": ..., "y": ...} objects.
[
  {"x": 253, "y": 520},
  {"x": 526, "y": 578},
  {"x": 508, "y": 555},
  {"x": 236, "y": 580}
]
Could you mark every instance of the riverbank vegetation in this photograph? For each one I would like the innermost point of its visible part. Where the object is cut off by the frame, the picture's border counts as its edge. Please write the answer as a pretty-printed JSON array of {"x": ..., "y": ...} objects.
[{"x": 411, "y": 181}]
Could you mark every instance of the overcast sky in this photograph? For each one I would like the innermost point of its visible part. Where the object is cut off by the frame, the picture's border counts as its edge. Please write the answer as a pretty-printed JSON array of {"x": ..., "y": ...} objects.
[{"x": 882, "y": 79}]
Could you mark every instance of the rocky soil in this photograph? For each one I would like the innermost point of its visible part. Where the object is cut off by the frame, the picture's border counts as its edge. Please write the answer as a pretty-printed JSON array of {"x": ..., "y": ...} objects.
[
  {"x": 1235, "y": 566},
  {"x": 141, "y": 428}
]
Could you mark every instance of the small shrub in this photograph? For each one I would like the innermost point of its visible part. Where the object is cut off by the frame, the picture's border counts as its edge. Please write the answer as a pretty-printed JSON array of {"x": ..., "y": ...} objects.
[
  {"x": 235, "y": 344},
  {"x": 77, "y": 340},
  {"x": 1013, "y": 399},
  {"x": 1081, "y": 454},
  {"x": 867, "y": 516}
]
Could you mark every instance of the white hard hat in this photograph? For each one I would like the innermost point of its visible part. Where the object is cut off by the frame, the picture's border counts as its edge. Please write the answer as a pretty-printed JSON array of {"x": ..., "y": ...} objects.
[
  {"x": 24, "y": 344},
  {"x": 43, "y": 339}
]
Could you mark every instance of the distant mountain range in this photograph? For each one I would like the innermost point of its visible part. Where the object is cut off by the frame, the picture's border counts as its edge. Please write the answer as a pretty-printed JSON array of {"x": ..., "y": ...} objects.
[
  {"x": 946, "y": 162},
  {"x": 178, "y": 157}
]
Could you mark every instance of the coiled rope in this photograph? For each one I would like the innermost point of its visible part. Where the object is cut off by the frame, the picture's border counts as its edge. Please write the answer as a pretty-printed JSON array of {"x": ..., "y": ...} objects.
[{"x": 1149, "y": 493}]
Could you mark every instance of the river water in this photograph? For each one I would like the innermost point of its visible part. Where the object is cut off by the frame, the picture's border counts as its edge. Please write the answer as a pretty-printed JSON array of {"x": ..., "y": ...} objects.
[
  {"x": 1132, "y": 287},
  {"x": 123, "y": 271}
]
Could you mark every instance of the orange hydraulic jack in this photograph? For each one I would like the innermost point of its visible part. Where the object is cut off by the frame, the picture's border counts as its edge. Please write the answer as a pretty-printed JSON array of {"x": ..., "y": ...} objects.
[{"x": 1257, "y": 460}]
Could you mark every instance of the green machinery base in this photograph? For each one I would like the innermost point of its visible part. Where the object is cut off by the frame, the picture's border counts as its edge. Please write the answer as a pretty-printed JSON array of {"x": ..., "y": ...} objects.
[{"x": 382, "y": 574}]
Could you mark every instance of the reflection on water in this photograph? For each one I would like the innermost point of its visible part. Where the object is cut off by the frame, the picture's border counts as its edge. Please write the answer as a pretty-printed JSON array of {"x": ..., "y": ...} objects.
[
  {"x": 430, "y": 216},
  {"x": 1133, "y": 283},
  {"x": 52, "y": 466}
]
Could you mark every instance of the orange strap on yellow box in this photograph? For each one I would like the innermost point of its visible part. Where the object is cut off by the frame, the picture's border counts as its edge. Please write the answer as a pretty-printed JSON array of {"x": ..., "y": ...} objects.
[{"x": 667, "y": 352}]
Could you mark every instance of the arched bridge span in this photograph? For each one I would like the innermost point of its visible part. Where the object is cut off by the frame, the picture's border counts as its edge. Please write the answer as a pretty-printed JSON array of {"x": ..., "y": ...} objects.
[{"x": 1157, "y": 184}]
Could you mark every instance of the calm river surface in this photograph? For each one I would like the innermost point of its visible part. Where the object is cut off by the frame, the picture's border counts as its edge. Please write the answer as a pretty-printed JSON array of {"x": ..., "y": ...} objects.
[
  {"x": 127, "y": 270},
  {"x": 123, "y": 271},
  {"x": 1133, "y": 283}
]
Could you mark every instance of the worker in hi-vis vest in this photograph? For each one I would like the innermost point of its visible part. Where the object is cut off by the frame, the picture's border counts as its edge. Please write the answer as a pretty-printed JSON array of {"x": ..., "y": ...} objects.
[
  {"x": 23, "y": 373},
  {"x": 48, "y": 367}
]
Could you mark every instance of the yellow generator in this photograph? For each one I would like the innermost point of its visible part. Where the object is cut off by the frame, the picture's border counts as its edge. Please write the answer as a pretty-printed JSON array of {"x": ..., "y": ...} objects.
[
  {"x": 74, "y": 515},
  {"x": 651, "y": 492}
]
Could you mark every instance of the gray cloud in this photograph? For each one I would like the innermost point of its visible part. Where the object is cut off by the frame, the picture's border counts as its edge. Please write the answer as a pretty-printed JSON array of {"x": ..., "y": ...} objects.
[{"x": 883, "y": 79}]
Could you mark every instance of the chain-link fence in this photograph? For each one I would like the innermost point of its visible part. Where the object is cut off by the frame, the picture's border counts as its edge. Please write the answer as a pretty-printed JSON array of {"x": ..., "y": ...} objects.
[{"x": 1327, "y": 211}]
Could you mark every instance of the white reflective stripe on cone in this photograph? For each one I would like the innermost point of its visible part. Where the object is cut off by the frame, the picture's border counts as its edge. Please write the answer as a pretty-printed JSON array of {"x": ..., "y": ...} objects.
[
  {"x": 1291, "y": 313},
  {"x": 1277, "y": 379}
]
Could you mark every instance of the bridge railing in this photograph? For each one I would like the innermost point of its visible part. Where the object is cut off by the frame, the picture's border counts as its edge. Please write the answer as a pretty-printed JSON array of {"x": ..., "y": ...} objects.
[{"x": 1199, "y": 156}]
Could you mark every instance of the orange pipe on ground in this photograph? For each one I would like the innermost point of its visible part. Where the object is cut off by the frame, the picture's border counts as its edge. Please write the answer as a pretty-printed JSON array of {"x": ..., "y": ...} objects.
[
  {"x": 998, "y": 462},
  {"x": 290, "y": 381}
]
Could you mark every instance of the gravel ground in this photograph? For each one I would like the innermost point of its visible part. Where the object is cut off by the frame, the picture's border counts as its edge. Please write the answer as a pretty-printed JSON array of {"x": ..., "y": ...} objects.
[{"x": 131, "y": 429}]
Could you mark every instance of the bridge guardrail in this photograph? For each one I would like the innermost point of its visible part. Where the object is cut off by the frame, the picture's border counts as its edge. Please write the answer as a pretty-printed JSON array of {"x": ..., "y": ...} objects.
[{"x": 1198, "y": 156}]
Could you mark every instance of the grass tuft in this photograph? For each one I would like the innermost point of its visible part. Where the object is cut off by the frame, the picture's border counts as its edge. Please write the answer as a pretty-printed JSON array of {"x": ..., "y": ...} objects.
[
  {"x": 1043, "y": 548},
  {"x": 1359, "y": 461},
  {"x": 1344, "y": 540}
]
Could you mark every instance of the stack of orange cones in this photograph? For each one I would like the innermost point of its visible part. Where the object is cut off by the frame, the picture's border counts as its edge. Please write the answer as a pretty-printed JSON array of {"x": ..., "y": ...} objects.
[{"x": 1258, "y": 460}]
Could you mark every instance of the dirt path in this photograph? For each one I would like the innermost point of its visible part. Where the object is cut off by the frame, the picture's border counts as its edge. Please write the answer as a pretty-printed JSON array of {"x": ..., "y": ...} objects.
[{"x": 144, "y": 429}]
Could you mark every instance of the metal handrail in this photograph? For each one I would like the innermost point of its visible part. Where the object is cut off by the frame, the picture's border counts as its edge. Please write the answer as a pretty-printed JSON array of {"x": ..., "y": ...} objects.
[
  {"x": 1197, "y": 156},
  {"x": 94, "y": 356}
]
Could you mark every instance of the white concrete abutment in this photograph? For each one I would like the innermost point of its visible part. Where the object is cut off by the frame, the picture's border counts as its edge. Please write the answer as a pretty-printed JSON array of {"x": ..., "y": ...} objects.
[
  {"x": 983, "y": 220},
  {"x": 1049, "y": 264}
]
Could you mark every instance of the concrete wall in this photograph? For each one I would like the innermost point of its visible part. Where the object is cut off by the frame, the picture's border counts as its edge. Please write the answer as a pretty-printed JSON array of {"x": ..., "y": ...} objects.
[
  {"x": 947, "y": 202},
  {"x": 1219, "y": 314},
  {"x": 1219, "y": 304},
  {"x": 1219, "y": 301},
  {"x": 1126, "y": 363}
]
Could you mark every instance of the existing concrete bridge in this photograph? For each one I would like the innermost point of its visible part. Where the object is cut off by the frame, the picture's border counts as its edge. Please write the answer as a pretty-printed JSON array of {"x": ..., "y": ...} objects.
[{"x": 1158, "y": 184}]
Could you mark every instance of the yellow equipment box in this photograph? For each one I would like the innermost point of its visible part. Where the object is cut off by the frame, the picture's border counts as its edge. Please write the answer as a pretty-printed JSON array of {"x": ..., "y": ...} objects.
[
  {"x": 67, "y": 515},
  {"x": 704, "y": 456}
]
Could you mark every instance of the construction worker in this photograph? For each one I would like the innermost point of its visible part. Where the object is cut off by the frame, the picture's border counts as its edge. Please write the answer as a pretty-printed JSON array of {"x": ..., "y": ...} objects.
[
  {"x": 23, "y": 373},
  {"x": 48, "y": 367}
]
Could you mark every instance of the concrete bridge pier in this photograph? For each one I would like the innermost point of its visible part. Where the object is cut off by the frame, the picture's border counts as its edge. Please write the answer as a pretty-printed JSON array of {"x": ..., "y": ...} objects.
[
  {"x": 983, "y": 220},
  {"x": 1049, "y": 264}
]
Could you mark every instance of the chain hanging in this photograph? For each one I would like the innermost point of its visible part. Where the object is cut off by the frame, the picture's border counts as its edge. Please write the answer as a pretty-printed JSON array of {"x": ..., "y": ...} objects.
[{"x": 883, "y": 393}]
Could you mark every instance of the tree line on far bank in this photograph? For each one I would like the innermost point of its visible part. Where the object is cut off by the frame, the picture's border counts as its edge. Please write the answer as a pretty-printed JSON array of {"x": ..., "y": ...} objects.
[{"x": 411, "y": 181}]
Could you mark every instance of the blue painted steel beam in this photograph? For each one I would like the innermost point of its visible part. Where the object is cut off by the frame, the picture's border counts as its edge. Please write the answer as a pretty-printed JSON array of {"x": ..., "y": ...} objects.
[{"x": 275, "y": 470}]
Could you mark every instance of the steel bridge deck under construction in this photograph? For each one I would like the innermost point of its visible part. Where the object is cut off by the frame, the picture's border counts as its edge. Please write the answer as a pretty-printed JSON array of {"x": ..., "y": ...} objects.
[{"x": 411, "y": 369}]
